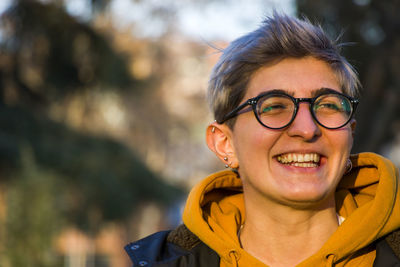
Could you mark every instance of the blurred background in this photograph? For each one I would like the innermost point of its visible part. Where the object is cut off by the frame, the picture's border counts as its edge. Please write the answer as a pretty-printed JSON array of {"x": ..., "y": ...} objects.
[{"x": 103, "y": 112}]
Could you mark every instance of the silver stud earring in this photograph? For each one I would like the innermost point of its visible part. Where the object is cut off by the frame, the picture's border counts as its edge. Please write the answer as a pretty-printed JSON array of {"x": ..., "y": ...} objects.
[{"x": 226, "y": 165}]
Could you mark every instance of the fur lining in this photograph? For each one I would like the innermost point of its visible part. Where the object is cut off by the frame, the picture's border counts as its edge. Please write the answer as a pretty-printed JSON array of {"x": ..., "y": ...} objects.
[
  {"x": 393, "y": 240},
  {"x": 182, "y": 237}
]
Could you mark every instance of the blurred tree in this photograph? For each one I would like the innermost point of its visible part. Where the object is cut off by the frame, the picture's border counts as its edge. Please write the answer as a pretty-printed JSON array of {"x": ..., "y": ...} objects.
[
  {"x": 374, "y": 26},
  {"x": 71, "y": 177},
  {"x": 35, "y": 208},
  {"x": 47, "y": 54},
  {"x": 102, "y": 175}
]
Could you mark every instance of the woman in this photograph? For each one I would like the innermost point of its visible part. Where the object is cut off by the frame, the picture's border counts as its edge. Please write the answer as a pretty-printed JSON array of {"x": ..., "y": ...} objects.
[{"x": 284, "y": 99}]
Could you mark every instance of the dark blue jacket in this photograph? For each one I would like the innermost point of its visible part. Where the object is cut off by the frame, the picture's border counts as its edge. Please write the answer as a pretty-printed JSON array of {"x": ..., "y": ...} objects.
[{"x": 181, "y": 248}]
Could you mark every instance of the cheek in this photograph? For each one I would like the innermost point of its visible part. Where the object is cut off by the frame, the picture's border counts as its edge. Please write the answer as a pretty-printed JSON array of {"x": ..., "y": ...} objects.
[
  {"x": 253, "y": 146},
  {"x": 344, "y": 140},
  {"x": 340, "y": 148},
  {"x": 350, "y": 139}
]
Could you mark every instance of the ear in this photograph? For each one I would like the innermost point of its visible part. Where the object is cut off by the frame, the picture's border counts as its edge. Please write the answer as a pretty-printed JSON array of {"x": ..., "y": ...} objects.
[
  {"x": 219, "y": 141},
  {"x": 353, "y": 124}
]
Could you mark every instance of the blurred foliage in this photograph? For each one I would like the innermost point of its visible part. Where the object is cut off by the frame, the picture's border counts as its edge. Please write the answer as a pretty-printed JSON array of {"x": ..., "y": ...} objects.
[
  {"x": 54, "y": 175},
  {"x": 101, "y": 174},
  {"x": 47, "y": 54},
  {"x": 374, "y": 27},
  {"x": 35, "y": 205}
]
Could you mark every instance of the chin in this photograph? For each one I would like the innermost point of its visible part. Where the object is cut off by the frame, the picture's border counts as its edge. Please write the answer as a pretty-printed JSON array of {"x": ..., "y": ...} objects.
[{"x": 308, "y": 199}]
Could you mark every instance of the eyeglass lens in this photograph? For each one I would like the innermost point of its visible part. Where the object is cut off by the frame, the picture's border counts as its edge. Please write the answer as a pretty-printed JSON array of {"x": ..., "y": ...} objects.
[{"x": 330, "y": 110}]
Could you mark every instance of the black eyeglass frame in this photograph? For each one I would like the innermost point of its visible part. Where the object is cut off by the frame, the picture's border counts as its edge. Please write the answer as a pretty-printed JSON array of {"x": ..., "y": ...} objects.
[{"x": 254, "y": 101}]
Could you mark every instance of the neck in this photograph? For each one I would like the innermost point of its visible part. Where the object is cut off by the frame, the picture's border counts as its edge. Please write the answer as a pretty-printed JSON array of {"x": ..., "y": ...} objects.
[{"x": 279, "y": 235}]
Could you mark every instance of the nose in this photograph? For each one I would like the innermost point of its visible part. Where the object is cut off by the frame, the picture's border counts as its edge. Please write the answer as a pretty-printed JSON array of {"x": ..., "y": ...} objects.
[{"x": 304, "y": 125}]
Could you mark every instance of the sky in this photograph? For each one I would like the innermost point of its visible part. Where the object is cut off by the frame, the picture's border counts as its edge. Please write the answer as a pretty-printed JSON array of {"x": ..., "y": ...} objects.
[
  {"x": 203, "y": 20},
  {"x": 222, "y": 19},
  {"x": 4, "y": 4}
]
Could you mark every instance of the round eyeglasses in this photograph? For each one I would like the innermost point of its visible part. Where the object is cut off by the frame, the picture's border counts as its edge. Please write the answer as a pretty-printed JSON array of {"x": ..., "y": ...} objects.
[{"x": 277, "y": 110}]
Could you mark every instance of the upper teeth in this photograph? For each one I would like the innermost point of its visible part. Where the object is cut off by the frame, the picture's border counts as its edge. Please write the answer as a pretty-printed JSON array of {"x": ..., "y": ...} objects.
[{"x": 296, "y": 157}]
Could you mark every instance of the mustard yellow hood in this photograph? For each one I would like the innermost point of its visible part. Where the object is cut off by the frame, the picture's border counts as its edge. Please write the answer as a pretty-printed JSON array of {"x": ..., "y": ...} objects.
[{"x": 368, "y": 198}]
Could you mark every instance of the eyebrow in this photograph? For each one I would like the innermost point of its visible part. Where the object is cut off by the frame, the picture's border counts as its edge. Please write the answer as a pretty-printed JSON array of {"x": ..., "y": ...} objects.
[
  {"x": 314, "y": 93},
  {"x": 276, "y": 91},
  {"x": 323, "y": 90}
]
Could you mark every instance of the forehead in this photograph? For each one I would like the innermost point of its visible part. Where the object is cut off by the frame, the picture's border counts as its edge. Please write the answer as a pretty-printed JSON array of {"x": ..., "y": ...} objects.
[{"x": 300, "y": 77}]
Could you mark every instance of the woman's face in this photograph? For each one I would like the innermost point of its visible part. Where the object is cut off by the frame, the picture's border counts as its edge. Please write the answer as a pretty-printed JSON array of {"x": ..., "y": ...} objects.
[{"x": 260, "y": 151}]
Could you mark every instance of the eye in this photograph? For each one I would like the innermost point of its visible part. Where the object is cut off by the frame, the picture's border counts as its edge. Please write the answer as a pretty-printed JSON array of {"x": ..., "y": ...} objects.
[
  {"x": 272, "y": 108},
  {"x": 332, "y": 104},
  {"x": 327, "y": 105},
  {"x": 275, "y": 105}
]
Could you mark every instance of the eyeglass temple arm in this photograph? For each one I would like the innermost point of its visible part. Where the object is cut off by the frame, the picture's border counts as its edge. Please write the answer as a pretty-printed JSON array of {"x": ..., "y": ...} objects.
[{"x": 235, "y": 111}]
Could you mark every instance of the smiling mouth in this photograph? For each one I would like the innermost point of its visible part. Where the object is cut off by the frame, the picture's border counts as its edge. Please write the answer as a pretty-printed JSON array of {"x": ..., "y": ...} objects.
[{"x": 305, "y": 160}]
